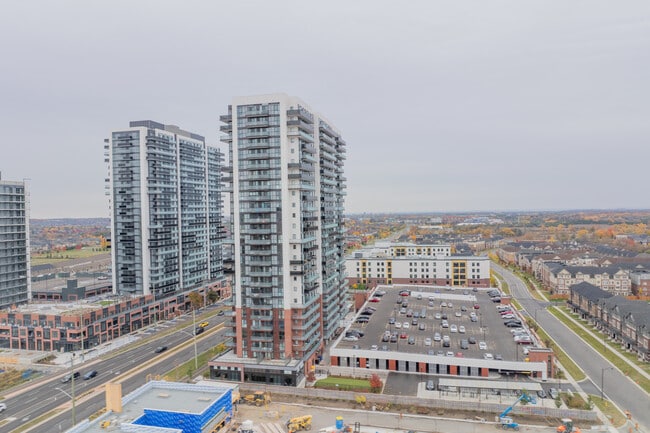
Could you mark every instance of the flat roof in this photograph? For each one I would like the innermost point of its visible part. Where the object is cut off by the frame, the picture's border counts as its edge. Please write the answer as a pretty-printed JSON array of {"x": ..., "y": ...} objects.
[
  {"x": 489, "y": 384},
  {"x": 159, "y": 396}
]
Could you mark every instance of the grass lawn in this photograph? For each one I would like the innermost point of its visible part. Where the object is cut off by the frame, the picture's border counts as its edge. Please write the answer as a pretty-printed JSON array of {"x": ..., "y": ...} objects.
[
  {"x": 597, "y": 345},
  {"x": 570, "y": 366},
  {"x": 344, "y": 383},
  {"x": 59, "y": 256},
  {"x": 616, "y": 417},
  {"x": 505, "y": 288}
]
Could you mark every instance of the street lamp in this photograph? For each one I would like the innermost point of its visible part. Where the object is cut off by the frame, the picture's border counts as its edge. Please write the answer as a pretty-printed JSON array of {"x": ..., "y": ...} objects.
[
  {"x": 196, "y": 356},
  {"x": 602, "y": 381}
]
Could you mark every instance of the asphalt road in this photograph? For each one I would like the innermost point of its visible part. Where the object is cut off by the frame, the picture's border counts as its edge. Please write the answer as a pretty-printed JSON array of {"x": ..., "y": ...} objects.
[
  {"x": 52, "y": 393},
  {"x": 617, "y": 387}
]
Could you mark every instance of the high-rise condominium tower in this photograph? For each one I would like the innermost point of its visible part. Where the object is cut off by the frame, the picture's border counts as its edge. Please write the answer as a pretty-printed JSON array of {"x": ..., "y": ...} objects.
[
  {"x": 15, "y": 279},
  {"x": 287, "y": 216},
  {"x": 166, "y": 209}
]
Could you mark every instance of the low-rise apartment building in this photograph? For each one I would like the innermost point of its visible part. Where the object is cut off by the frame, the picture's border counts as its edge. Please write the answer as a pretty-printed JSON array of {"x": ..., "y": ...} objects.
[
  {"x": 73, "y": 326},
  {"x": 417, "y": 264},
  {"x": 559, "y": 278}
]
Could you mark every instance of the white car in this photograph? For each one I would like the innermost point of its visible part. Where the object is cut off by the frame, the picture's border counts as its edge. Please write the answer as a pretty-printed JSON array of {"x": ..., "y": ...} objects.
[
  {"x": 406, "y": 325},
  {"x": 450, "y": 305},
  {"x": 488, "y": 356},
  {"x": 374, "y": 347},
  {"x": 458, "y": 314},
  {"x": 461, "y": 329},
  {"x": 482, "y": 345},
  {"x": 427, "y": 341},
  {"x": 437, "y": 337},
  {"x": 449, "y": 353},
  {"x": 3, "y": 407},
  {"x": 453, "y": 328},
  {"x": 398, "y": 325}
]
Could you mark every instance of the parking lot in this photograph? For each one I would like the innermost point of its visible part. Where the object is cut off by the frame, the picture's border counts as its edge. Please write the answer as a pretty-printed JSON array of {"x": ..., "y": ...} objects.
[{"x": 408, "y": 320}]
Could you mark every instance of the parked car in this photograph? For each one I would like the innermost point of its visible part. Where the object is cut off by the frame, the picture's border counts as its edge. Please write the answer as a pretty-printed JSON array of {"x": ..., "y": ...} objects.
[
  {"x": 422, "y": 327},
  {"x": 541, "y": 393},
  {"x": 482, "y": 345},
  {"x": 90, "y": 374},
  {"x": 461, "y": 329},
  {"x": 488, "y": 356},
  {"x": 453, "y": 328},
  {"x": 553, "y": 393},
  {"x": 437, "y": 337},
  {"x": 427, "y": 341},
  {"x": 471, "y": 340},
  {"x": 430, "y": 385},
  {"x": 411, "y": 340},
  {"x": 391, "y": 321},
  {"x": 513, "y": 325},
  {"x": 464, "y": 344}
]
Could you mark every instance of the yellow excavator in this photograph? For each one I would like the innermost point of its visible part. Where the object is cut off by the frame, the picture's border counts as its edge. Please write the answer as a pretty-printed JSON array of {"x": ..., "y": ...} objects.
[
  {"x": 299, "y": 423},
  {"x": 258, "y": 398}
]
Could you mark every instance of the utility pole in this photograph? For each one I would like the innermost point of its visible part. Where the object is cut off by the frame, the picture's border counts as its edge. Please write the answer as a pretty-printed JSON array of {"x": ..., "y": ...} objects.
[{"x": 74, "y": 415}]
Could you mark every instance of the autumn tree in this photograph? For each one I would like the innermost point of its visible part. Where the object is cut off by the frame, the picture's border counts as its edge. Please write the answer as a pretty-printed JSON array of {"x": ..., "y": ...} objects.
[
  {"x": 196, "y": 300},
  {"x": 375, "y": 383}
]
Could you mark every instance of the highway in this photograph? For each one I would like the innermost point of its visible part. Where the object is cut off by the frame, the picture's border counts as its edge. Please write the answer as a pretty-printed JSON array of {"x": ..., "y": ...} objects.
[
  {"x": 618, "y": 388},
  {"x": 51, "y": 393}
]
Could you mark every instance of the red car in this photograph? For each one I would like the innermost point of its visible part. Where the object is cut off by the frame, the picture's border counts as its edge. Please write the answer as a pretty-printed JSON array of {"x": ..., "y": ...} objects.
[
  {"x": 477, "y": 306},
  {"x": 403, "y": 335},
  {"x": 375, "y": 299}
]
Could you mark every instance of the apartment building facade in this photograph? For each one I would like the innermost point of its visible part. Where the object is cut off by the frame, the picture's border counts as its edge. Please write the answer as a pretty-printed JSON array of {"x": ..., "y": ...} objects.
[
  {"x": 288, "y": 188},
  {"x": 15, "y": 276},
  {"x": 416, "y": 264},
  {"x": 559, "y": 278},
  {"x": 166, "y": 209}
]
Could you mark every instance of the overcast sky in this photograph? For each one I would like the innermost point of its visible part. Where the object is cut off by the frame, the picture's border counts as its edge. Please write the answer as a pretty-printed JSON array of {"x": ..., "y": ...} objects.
[{"x": 445, "y": 105}]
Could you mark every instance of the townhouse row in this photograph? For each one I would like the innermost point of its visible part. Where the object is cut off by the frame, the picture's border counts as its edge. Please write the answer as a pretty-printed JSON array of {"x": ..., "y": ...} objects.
[{"x": 625, "y": 322}]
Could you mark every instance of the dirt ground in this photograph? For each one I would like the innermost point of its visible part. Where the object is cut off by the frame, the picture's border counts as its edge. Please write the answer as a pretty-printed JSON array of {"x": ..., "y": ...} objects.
[{"x": 272, "y": 419}]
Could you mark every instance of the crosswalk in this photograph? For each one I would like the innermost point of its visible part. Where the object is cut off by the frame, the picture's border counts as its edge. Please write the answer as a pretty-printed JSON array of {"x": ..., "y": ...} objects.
[{"x": 271, "y": 427}]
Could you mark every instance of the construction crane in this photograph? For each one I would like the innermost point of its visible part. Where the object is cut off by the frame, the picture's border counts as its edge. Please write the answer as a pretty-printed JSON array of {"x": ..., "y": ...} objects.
[{"x": 505, "y": 420}]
